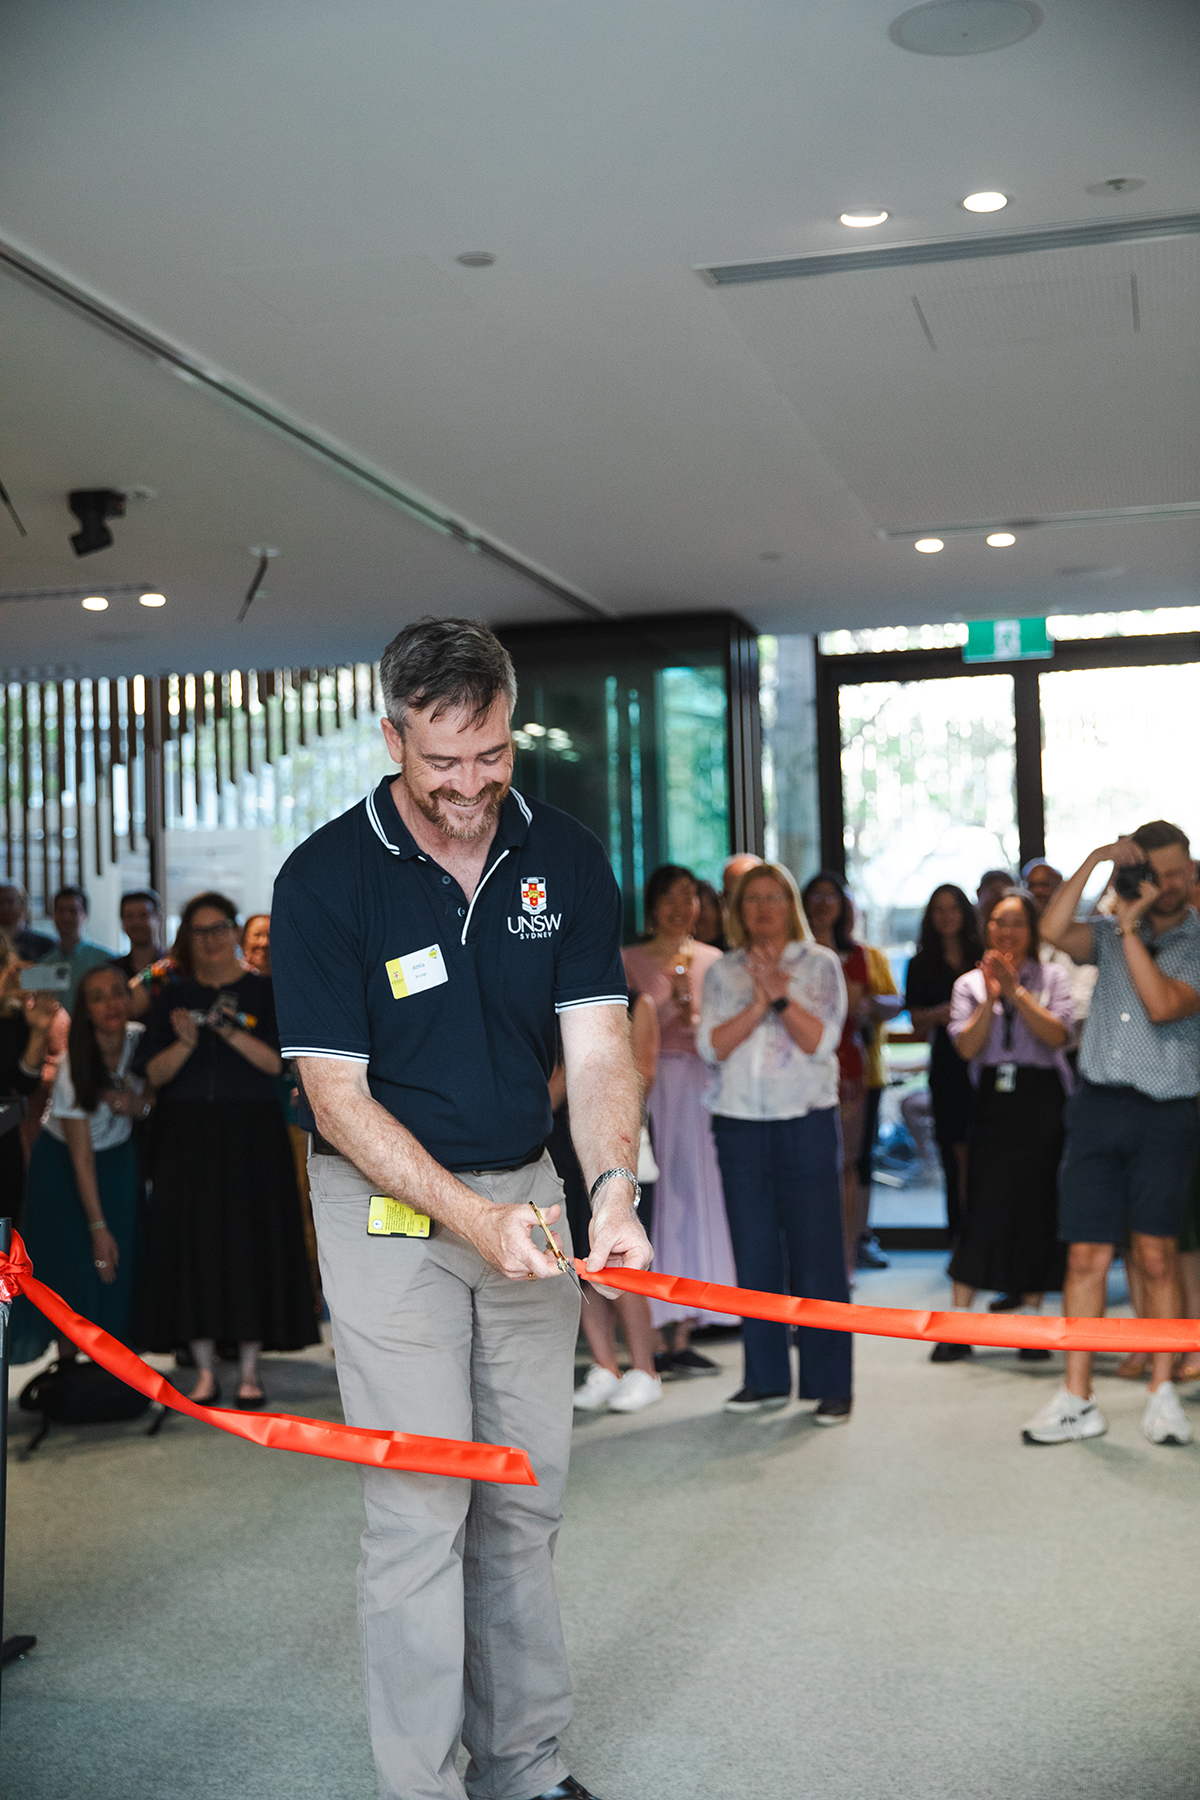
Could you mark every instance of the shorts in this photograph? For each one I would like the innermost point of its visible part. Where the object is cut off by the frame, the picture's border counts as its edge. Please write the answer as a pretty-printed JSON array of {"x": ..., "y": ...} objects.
[{"x": 1127, "y": 1165}]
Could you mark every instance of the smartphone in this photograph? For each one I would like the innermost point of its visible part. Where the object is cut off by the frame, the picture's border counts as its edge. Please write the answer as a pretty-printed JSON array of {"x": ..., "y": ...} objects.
[{"x": 47, "y": 978}]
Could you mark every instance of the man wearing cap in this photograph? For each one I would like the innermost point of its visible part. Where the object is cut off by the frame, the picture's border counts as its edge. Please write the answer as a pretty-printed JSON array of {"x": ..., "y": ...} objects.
[{"x": 426, "y": 948}]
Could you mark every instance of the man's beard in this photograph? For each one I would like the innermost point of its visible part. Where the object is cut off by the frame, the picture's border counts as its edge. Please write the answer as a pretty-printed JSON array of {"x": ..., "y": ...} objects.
[{"x": 493, "y": 797}]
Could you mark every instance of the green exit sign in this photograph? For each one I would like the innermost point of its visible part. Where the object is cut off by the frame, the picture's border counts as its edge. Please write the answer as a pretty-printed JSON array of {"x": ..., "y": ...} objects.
[{"x": 1006, "y": 640}]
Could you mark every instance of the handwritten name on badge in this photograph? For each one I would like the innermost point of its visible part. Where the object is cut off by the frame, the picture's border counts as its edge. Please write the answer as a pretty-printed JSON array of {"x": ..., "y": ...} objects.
[{"x": 413, "y": 973}]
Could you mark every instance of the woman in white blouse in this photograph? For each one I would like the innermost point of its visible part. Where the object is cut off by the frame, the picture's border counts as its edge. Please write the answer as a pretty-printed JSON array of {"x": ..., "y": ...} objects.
[
  {"x": 771, "y": 1017},
  {"x": 80, "y": 1222}
]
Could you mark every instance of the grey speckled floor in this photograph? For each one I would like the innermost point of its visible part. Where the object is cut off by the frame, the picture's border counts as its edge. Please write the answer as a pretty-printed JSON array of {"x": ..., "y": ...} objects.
[{"x": 916, "y": 1607}]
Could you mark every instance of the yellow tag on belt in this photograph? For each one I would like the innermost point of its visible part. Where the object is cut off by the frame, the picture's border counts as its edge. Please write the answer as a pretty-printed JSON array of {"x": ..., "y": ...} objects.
[{"x": 392, "y": 1218}]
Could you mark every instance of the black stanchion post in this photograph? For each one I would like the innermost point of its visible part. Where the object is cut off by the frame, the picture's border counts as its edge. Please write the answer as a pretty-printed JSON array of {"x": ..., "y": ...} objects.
[
  {"x": 5, "y": 1247},
  {"x": 11, "y": 1114}
]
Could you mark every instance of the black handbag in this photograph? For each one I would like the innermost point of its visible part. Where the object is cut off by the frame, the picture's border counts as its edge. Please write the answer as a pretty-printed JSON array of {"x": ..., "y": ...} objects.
[{"x": 79, "y": 1393}]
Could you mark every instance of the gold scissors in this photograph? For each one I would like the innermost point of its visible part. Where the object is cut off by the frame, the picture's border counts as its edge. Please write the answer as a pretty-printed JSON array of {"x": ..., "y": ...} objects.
[{"x": 566, "y": 1267}]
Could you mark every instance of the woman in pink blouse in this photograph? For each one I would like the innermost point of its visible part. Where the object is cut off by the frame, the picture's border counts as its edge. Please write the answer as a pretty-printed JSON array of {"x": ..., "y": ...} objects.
[
  {"x": 689, "y": 1231},
  {"x": 1009, "y": 1020}
]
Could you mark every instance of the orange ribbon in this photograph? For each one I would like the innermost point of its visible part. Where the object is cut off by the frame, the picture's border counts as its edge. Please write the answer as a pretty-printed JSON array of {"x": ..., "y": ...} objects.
[
  {"x": 275, "y": 1431},
  {"x": 1006, "y": 1331}
]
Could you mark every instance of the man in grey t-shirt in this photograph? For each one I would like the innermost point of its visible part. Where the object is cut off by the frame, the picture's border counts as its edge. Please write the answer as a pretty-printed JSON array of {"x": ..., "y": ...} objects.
[{"x": 1132, "y": 1125}]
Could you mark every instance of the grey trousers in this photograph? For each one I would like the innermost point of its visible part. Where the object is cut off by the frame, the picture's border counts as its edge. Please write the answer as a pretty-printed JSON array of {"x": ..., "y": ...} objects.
[{"x": 459, "y": 1618}]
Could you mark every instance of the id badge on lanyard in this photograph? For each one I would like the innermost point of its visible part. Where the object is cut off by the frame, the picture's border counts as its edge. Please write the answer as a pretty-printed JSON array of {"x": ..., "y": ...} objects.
[{"x": 1006, "y": 1072}]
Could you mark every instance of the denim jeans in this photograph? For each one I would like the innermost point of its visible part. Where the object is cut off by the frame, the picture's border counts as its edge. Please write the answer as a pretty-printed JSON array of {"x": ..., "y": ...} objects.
[{"x": 783, "y": 1195}]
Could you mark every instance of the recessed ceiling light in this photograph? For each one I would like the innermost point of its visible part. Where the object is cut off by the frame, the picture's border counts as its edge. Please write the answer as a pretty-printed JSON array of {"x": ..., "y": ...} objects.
[
  {"x": 964, "y": 27},
  {"x": 986, "y": 202},
  {"x": 152, "y": 600},
  {"x": 1000, "y": 540},
  {"x": 929, "y": 545},
  {"x": 863, "y": 215},
  {"x": 95, "y": 603},
  {"x": 476, "y": 259}
]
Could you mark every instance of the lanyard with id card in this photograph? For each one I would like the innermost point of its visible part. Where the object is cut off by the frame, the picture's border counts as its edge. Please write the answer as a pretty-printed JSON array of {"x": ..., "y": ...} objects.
[{"x": 1006, "y": 1072}]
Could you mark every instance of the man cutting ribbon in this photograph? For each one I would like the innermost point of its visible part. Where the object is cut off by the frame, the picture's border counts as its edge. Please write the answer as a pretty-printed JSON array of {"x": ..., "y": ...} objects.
[{"x": 422, "y": 946}]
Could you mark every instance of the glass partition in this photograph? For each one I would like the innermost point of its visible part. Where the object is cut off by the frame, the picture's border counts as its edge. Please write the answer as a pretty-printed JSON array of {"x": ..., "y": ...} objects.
[
  {"x": 1109, "y": 756},
  {"x": 628, "y": 729},
  {"x": 928, "y": 777}
]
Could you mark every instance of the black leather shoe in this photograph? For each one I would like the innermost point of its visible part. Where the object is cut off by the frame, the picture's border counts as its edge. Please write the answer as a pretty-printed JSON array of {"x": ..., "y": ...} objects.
[
  {"x": 949, "y": 1352},
  {"x": 1006, "y": 1303},
  {"x": 567, "y": 1789}
]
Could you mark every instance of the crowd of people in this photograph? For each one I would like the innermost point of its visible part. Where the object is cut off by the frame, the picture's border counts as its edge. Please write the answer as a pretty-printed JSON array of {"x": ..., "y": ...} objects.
[
  {"x": 1060, "y": 1150},
  {"x": 155, "y": 1185},
  {"x": 158, "y": 1191}
]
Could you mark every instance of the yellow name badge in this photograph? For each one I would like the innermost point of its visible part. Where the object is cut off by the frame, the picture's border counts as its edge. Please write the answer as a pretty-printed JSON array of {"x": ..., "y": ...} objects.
[
  {"x": 392, "y": 1218},
  {"x": 413, "y": 973}
]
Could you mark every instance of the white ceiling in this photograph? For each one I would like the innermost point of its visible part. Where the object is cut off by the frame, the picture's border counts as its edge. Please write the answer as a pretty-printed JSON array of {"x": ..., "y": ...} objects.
[{"x": 282, "y": 188}]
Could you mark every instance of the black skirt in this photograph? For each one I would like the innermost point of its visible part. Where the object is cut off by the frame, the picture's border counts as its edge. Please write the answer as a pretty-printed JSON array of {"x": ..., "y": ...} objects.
[
  {"x": 224, "y": 1255},
  {"x": 1009, "y": 1236}
]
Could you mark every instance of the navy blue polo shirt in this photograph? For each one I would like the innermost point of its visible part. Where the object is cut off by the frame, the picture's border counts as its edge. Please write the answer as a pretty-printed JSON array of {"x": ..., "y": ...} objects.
[{"x": 378, "y": 958}]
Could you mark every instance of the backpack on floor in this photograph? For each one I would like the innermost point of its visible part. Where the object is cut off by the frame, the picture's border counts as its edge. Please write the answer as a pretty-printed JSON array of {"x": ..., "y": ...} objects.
[{"x": 75, "y": 1393}]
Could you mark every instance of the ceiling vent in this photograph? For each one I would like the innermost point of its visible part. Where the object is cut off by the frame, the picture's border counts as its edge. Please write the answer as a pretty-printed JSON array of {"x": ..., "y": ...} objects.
[
  {"x": 1108, "y": 515},
  {"x": 76, "y": 593},
  {"x": 945, "y": 250}
]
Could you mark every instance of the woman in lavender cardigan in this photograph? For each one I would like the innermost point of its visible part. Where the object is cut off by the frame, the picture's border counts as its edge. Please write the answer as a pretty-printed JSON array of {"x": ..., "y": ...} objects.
[{"x": 1009, "y": 1020}]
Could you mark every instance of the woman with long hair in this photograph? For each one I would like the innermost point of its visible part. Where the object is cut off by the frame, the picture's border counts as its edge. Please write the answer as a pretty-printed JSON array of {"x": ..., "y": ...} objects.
[
  {"x": 81, "y": 1223},
  {"x": 830, "y": 912},
  {"x": 1010, "y": 1020},
  {"x": 225, "y": 1257},
  {"x": 689, "y": 1232},
  {"x": 771, "y": 1021},
  {"x": 948, "y": 944}
]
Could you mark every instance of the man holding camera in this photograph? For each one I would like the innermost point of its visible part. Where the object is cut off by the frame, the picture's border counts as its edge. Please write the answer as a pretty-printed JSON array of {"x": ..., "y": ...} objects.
[{"x": 1132, "y": 1127}]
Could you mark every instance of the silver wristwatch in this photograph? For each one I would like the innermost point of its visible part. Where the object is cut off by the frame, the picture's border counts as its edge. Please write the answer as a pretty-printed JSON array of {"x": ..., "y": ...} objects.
[{"x": 610, "y": 1175}]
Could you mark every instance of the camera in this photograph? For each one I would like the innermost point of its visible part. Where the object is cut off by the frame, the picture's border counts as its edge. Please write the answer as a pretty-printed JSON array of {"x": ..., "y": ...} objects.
[
  {"x": 223, "y": 1012},
  {"x": 1128, "y": 881}
]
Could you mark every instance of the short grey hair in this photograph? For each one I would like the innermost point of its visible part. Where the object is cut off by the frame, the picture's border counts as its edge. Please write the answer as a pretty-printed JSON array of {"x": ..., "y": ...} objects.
[{"x": 441, "y": 665}]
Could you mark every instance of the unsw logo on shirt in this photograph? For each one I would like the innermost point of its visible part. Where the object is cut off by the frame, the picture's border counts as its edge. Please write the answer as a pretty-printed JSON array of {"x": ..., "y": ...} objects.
[
  {"x": 534, "y": 921},
  {"x": 533, "y": 894}
]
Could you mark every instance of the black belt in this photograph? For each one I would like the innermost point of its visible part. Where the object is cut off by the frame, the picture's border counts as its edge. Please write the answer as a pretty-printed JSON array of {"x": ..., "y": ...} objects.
[{"x": 322, "y": 1147}]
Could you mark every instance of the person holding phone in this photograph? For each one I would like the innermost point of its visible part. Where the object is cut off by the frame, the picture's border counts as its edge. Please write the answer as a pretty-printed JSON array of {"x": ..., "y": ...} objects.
[
  {"x": 82, "y": 1200},
  {"x": 225, "y": 1256},
  {"x": 79, "y": 953},
  {"x": 25, "y": 1023}
]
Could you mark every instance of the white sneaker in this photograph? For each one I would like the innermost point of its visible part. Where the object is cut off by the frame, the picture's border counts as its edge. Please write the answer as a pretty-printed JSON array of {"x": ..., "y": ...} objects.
[
  {"x": 635, "y": 1391},
  {"x": 597, "y": 1390},
  {"x": 1065, "y": 1418},
  {"x": 1163, "y": 1421}
]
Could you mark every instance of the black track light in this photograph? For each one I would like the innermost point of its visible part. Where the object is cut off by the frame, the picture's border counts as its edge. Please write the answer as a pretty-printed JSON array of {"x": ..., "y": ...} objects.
[{"x": 92, "y": 506}]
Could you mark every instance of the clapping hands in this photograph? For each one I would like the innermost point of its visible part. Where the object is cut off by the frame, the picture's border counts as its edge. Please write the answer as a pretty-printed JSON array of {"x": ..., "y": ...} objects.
[
  {"x": 1001, "y": 976},
  {"x": 768, "y": 975}
]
